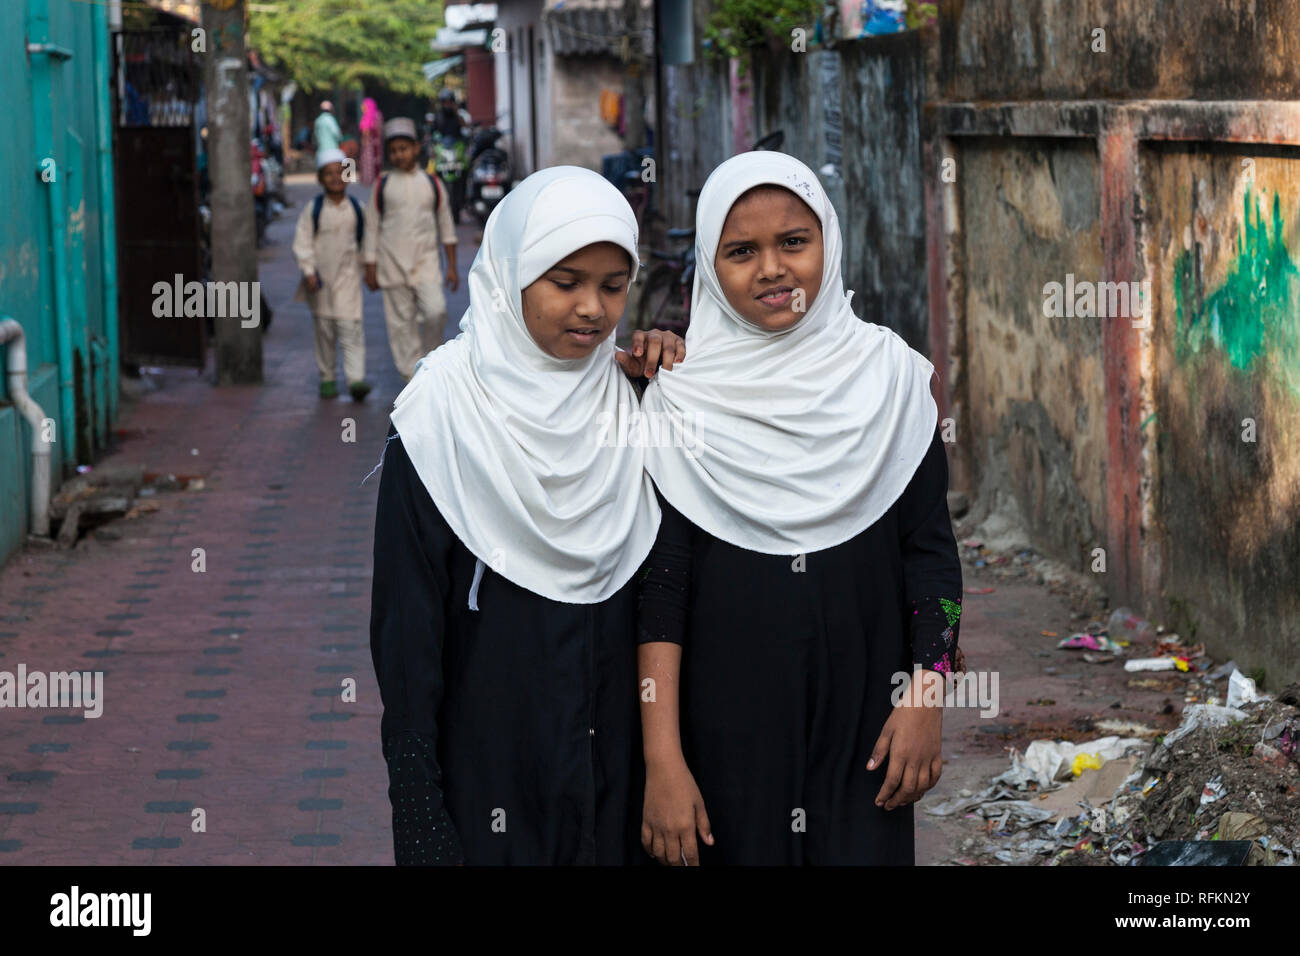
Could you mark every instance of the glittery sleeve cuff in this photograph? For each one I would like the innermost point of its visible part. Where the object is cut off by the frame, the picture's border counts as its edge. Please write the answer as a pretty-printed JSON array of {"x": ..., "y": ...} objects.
[
  {"x": 933, "y": 630},
  {"x": 423, "y": 834},
  {"x": 666, "y": 581}
]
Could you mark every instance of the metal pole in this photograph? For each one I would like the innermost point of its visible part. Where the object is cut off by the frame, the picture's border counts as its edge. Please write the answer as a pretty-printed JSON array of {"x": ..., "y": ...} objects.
[
  {"x": 107, "y": 200},
  {"x": 40, "y": 52}
]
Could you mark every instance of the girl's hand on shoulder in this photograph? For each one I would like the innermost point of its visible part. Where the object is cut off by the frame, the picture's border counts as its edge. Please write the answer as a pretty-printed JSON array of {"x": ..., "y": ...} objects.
[
  {"x": 912, "y": 740},
  {"x": 651, "y": 351},
  {"x": 673, "y": 812}
]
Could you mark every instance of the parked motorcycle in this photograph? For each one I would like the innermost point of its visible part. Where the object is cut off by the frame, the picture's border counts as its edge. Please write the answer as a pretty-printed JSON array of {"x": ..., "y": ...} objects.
[
  {"x": 489, "y": 174},
  {"x": 448, "y": 161}
]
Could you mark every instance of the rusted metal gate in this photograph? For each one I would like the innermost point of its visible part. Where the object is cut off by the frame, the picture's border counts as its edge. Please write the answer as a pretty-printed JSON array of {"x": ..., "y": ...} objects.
[{"x": 158, "y": 228}]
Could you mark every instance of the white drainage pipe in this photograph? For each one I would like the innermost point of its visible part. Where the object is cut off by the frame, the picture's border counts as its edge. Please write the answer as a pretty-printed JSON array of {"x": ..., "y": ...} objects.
[{"x": 11, "y": 334}]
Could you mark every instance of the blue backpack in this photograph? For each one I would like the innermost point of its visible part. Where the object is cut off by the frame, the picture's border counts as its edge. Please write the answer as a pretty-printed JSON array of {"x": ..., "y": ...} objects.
[{"x": 319, "y": 201}]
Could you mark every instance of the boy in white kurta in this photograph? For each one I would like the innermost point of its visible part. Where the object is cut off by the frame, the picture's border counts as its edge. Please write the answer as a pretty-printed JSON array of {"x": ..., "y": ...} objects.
[
  {"x": 409, "y": 212},
  {"x": 327, "y": 245}
]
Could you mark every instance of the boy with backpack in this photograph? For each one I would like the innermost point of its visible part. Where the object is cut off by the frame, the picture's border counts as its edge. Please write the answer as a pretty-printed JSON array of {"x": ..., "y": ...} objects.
[
  {"x": 327, "y": 245},
  {"x": 407, "y": 215}
]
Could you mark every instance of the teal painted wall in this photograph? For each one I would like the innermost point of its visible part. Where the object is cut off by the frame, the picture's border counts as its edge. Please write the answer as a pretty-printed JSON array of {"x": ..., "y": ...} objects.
[{"x": 26, "y": 282}]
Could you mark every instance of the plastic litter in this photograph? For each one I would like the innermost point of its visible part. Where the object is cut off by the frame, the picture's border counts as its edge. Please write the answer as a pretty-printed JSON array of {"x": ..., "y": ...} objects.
[
  {"x": 1213, "y": 790},
  {"x": 1222, "y": 671},
  {"x": 1126, "y": 624},
  {"x": 1082, "y": 762},
  {"x": 1090, "y": 642},
  {"x": 1019, "y": 776},
  {"x": 1197, "y": 853},
  {"x": 1051, "y": 761},
  {"x": 1173, "y": 646},
  {"x": 1126, "y": 854},
  {"x": 1125, "y": 728},
  {"x": 1203, "y": 715},
  {"x": 1241, "y": 690},
  {"x": 1026, "y": 850},
  {"x": 1151, "y": 664},
  {"x": 1020, "y": 812}
]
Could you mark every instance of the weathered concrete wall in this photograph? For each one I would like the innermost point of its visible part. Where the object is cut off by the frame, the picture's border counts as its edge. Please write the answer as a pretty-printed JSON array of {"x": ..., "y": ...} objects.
[
  {"x": 581, "y": 138},
  {"x": 1222, "y": 238},
  {"x": 1035, "y": 388},
  {"x": 1155, "y": 49},
  {"x": 1170, "y": 159},
  {"x": 869, "y": 161}
]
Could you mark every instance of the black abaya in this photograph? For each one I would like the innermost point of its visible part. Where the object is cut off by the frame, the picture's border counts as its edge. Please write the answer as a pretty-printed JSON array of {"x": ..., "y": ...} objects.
[
  {"x": 786, "y": 674},
  {"x": 511, "y": 732}
]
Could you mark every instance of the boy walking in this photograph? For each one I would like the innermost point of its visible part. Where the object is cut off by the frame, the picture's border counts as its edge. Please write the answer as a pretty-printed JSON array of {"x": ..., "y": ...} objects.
[
  {"x": 327, "y": 245},
  {"x": 407, "y": 214}
]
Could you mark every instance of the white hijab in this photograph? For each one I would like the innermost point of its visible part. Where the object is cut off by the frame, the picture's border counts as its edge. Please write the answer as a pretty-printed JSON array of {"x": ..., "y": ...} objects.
[
  {"x": 803, "y": 438},
  {"x": 506, "y": 437}
]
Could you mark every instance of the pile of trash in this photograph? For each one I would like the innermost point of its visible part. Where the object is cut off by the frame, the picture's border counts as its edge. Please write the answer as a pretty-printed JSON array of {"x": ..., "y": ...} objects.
[
  {"x": 1222, "y": 788},
  {"x": 1142, "y": 646}
]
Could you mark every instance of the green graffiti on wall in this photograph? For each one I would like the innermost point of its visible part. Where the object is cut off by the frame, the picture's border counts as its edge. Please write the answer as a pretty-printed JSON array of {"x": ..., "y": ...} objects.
[{"x": 1254, "y": 315}]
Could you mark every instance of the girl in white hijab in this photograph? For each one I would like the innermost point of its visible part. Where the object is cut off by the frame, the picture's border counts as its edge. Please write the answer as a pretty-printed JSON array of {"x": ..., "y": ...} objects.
[
  {"x": 507, "y": 535},
  {"x": 806, "y": 555}
]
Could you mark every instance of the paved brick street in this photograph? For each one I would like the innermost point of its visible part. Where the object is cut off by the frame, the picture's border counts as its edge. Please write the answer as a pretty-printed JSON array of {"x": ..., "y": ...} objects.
[{"x": 222, "y": 689}]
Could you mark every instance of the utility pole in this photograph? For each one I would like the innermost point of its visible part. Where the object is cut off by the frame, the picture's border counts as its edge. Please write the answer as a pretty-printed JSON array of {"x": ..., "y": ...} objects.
[
  {"x": 234, "y": 232},
  {"x": 634, "y": 66}
]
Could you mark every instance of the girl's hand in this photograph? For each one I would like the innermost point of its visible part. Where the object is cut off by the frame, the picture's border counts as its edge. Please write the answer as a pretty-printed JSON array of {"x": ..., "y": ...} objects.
[
  {"x": 372, "y": 276},
  {"x": 650, "y": 351},
  {"x": 912, "y": 738},
  {"x": 453, "y": 280},
  {"x": 673, "y": 811}
]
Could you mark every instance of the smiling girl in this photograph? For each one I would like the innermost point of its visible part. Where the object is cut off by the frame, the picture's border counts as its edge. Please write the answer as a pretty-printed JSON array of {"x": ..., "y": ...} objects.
[
  {"x": 805, "y": 556},
  {"x": 506, "y": 540}
]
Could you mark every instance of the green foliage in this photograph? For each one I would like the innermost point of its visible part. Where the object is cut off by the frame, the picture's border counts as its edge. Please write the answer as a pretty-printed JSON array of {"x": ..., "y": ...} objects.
[
  {"x": 324, "y": 43},
  {"x": 1238, "y": 742},
  {"x": 737, "y": 25},
  {"x": 920, "y": 14}
]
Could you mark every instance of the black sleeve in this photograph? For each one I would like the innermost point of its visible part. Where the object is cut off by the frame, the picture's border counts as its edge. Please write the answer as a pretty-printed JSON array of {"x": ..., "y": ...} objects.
[
  {"x": 666, "y": 581},
  {"x": 931, "y": 567},
  {"x": 407, "y": 626}
]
